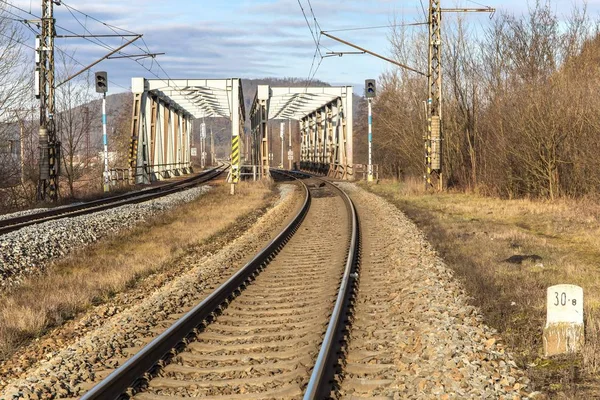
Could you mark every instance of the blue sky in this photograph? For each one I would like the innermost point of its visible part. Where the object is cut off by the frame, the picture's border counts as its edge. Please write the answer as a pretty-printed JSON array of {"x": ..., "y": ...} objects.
[{"x": 248, "y": 39}]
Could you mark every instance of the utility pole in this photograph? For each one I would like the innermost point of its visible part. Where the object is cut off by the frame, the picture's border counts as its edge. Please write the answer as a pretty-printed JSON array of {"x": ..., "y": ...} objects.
[
  {"x": 434, "y": 137},
  {"x": 49, "y": 147},
  {"x": 433, "y": 140}
]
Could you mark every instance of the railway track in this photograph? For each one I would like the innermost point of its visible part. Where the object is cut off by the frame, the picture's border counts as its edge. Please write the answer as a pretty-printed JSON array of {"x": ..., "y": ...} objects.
[
  {"x": 16, "y": 223},
  {"x": 271, "y": 331}
]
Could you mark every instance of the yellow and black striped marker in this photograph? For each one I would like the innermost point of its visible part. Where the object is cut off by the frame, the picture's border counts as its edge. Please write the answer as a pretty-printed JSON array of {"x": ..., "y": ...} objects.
[{"x": 235, "y": 159}]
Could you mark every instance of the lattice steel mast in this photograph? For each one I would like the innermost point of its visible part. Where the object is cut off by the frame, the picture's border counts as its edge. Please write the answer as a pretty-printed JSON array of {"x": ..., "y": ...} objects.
[
  {"x": 433, "y": 142},
  {"x": 434, "y": 137},
  {"x": 49, "y": 145}
]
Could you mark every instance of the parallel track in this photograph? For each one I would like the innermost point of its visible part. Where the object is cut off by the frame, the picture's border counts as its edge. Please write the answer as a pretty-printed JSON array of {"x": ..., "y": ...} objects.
[
  {"x": 269, "y": 339},
  {"x": 13, "y": 224}
]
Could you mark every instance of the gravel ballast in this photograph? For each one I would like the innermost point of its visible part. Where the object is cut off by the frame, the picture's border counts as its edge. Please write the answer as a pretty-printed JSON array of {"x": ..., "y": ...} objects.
[
  {"x": 29, "y": 250},
  {"x": 414, "y": 334},
  {"x": 115, "y": 336}
]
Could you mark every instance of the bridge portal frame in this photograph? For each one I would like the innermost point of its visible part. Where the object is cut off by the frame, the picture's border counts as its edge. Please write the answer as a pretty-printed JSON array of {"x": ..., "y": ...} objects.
[
  {"x": 162, "y": 123},
  {"x": 326, "y": 126}
]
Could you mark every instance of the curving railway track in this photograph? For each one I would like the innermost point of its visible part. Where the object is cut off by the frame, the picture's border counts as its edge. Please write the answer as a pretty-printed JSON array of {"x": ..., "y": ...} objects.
[
  {"x": 273, "y": 330},
  {"x": 293, "y": 322},
  {"x": 16, "y": 223}
]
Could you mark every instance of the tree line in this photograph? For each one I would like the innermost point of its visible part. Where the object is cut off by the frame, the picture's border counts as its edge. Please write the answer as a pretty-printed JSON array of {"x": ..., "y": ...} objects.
[
  {"x": 78, "y": 122},
  {"x": 521, "y": 105}
]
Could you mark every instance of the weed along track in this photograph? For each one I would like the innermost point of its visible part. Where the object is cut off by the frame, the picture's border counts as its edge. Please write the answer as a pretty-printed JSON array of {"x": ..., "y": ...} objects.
[{"x": 259, "y": 335}]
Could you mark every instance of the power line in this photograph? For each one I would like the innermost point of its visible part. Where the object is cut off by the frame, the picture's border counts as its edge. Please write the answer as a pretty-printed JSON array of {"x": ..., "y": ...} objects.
[
  {"x": 20, "y": 9},
  {"x": 96, "y": 42},
  {"x": 309, "y": 27},
  {"x": 106, "y": 46},
  {"x": 315, "y": 73},
  {"x": 99, "y": 42},
  {"x": 114, "y": 29},
  {"x": 317, "y": 26},
  {"x": 60, "y": 50},
  {"x": 377, "y": 27},
  {"x": 479, "y": 4},
  {"x": 109, "y": 26},
  {"x": 423, "y": 8},
  {"x": 312, "y": 65},
  {"x": 16, "y": 41},
  {"x": 317, "y": 39}
]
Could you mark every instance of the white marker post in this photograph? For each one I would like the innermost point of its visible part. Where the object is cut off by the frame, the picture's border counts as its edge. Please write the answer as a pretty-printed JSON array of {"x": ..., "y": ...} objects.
[
  {"x": 370, "y": 166},
  {"x": 564, "y": 330},
  {"x": 282, "y": 136},
  {"x": 203, "y": 145},
  {"x": 290, "y": 151}
]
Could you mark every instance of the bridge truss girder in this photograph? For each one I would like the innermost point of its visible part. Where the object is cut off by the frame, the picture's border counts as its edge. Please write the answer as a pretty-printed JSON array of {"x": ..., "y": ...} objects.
[
  {"x": 325, "y": 118},
  {"x": 163, "y": 115}
]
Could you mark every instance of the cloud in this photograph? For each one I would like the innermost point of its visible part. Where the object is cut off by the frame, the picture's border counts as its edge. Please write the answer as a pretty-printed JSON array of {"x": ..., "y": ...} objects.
[{"x": 225, "y": 38}]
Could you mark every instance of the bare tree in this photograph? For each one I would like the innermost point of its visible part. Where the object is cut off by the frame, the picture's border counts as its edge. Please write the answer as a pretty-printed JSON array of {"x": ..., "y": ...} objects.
[
  {"x": 520, "y": 104},
  {"x": 74, "y": 121},
  {"x": 15, "y": 92}
]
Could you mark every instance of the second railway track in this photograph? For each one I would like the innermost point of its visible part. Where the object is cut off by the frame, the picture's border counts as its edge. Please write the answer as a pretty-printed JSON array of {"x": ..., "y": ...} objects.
[
  {"x": 12, "y": 224},
  {"x": 266, "y": 341}
]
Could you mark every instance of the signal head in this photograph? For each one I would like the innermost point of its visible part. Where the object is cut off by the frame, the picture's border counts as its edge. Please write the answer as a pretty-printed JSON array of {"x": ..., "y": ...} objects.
[
  {"x": 101, "y": 82},
  {"x": 370, "y": 89}
]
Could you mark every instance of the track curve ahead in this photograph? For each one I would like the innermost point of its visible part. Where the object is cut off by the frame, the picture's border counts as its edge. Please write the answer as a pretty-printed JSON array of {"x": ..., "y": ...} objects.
[{"x": 259, "y": 335}]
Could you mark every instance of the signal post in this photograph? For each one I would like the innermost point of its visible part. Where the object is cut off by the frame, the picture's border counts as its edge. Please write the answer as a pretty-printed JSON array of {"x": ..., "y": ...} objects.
[
  {"x": 102, "y": 87},
  {"x": 370, "y": 93}
]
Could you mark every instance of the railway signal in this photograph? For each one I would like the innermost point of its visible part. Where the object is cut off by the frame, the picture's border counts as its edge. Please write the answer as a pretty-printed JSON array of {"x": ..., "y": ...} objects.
[
  {"x": 102, "y": 87},
  {"x": 370, "y": 93},
  {"x": 101, "y": 82},
  {"x": 370, "y": 89}
]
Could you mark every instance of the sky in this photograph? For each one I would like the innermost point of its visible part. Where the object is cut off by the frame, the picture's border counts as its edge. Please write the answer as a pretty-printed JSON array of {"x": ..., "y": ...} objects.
[{"x": 245, "y": 38}]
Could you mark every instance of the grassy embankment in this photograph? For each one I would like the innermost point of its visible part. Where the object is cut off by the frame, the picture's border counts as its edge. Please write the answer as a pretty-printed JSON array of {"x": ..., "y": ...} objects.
[
  {"x": 475, "y": 235},
  {"x": 94, "y": 274}
]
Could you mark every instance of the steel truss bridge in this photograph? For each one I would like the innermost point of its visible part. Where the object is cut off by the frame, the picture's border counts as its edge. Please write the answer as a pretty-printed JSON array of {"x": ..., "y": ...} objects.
[{"x": 164, "y": 112}]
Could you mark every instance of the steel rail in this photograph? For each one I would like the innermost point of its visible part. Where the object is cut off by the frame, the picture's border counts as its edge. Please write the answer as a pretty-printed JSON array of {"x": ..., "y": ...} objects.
[
  {"x": 321, "y": 380},
  {"x": 119, "y": 384},
  {"x": 13, "y": 224}
]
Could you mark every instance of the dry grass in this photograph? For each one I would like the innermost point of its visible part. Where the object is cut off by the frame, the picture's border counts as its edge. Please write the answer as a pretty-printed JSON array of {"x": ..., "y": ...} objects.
[
  {"x": 96, "y": 273},
  {"x": 475, "y": 234}
]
